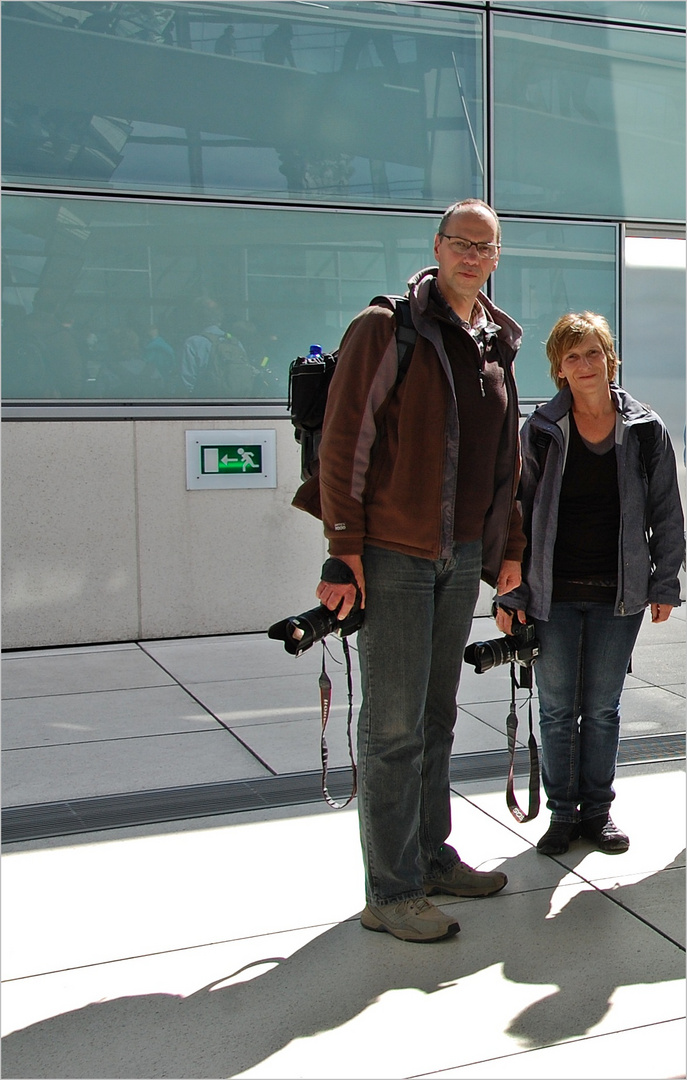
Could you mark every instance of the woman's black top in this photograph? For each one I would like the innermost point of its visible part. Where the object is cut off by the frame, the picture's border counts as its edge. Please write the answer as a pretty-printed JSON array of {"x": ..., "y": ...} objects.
[{"x": 585, "y": 558}]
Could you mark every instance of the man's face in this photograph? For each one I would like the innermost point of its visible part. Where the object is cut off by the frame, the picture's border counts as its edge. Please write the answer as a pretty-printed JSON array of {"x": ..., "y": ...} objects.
[{"x": 462, "y": 274}]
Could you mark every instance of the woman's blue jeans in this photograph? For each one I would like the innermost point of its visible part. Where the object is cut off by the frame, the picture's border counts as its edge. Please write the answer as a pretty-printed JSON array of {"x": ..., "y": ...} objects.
[
  {"x": 585, "y": 652},
  {"x": 418, "y": 616}
]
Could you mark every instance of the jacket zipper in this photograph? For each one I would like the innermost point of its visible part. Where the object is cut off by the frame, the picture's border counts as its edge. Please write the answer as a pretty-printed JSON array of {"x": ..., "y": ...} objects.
[{"x": 513, "y": 395}]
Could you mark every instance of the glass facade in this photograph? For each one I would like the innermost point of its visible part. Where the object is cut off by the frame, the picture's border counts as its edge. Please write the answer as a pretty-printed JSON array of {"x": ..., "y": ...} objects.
[
  {"x": 144, "y": 281},
  {"x": 665, "y": 13},
  {"x": 583, "y": 118},
  {"x": 136, "y": 293},
  {"x": 545, "y": 270},
  {"x": 370, "y": 102},
  {"x": 205, "y": 189}
]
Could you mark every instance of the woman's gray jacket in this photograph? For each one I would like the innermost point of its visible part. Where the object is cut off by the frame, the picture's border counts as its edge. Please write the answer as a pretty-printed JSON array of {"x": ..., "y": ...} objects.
[{"x": 651, "y": 539}]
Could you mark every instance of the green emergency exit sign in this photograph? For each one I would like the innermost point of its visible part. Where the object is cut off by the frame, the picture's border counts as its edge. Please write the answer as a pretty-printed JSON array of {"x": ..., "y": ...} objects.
[
  {"x": 221, "y": 458},
  {"x": 231, "y": 459}
]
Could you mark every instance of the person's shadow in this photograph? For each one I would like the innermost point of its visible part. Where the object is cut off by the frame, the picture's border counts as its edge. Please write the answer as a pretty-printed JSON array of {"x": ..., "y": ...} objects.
[{"x": 588, "y": 950}]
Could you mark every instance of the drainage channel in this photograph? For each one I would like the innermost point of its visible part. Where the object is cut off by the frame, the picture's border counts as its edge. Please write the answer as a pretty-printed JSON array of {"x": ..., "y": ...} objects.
[{"x": 44, "y": 820}]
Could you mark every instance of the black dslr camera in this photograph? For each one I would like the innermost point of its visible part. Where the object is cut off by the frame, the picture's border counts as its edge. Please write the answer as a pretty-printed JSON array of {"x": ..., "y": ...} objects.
[
  {"x": 519, "y": 647},
  {"x": 299, "y": 632}
]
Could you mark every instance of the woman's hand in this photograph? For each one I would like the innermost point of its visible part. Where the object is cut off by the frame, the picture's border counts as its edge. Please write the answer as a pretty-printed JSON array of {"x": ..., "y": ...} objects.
[
  {"x": 510, "y": 576},
  {"x": 504, "y": 618},
  {"x": 660, "y": 612}
]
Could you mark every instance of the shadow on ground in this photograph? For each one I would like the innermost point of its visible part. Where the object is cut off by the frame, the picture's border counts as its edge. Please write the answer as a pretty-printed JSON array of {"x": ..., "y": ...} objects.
[{"x": 590, "y": 948}]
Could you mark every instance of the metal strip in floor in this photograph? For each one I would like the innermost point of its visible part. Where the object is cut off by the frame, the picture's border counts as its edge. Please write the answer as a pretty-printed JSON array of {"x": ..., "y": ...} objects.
[{"x": 44, "y": 820}]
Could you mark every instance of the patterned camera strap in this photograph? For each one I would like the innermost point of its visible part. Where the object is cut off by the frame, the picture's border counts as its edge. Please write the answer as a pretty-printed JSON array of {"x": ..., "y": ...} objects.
[
  {"x": 511, "y": 730},
  {"x": 325, "y": 684}
]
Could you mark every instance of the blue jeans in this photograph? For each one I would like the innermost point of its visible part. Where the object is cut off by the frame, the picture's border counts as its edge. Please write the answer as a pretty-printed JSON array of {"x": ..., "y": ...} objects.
[
  {"x": 417, "y": 619},
  {"x": 585, "y": 652}
]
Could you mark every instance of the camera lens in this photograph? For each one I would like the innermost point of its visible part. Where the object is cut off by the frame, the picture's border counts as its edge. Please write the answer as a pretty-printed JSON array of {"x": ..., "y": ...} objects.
[
  {"x": 521, "y": 647},
  {"x": 301, "y": 631},
  {"x": 484, "y": 655}
]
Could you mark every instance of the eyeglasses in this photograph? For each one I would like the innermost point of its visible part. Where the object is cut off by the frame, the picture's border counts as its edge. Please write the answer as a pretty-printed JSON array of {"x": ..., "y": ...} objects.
[{"x": 459, "y": 246}]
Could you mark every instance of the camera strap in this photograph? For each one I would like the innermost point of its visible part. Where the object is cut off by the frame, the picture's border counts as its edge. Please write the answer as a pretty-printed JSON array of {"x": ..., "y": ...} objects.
[
  {"x": 325, "y": 685},
  {"x": 511, "y": 730}
]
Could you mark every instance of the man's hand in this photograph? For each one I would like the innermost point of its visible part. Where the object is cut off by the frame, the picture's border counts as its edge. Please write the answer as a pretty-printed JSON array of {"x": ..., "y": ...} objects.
[
  {"x": 660, "y": 612},
  {"x": 510, "y": 576},
  {"x": 331, "y": 595}
]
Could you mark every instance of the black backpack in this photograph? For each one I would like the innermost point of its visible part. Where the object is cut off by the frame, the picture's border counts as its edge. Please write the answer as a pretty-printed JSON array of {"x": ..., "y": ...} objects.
[{"x": 310, "y": 376}]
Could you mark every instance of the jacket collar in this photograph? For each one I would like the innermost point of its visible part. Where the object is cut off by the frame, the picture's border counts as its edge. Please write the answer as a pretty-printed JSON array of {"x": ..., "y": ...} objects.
[
  {"x": 419, "y": 289},
  {"x": 629, "y": 408}
]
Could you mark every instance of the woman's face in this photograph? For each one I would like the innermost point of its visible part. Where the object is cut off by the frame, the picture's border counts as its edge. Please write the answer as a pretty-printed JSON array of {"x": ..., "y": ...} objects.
[{"x": 584, "y": 365}]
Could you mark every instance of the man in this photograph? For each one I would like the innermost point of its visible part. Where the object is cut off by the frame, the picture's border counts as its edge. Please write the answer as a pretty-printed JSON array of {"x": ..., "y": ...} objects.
[
  {"x": 419, "y": 506},
  {"x": 198, "y": 347}
]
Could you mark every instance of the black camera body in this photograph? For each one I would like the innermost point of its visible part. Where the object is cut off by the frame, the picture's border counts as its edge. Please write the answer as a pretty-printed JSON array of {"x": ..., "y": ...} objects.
[
  {"x": 299, "y": 632},
  {"x": 519, "y": 647}
]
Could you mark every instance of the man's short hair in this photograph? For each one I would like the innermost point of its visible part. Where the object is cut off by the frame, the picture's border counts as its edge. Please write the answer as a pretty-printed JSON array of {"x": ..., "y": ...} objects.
[
  {"x": 569, "y": 331},
  {"x": 470, "y": 204}
]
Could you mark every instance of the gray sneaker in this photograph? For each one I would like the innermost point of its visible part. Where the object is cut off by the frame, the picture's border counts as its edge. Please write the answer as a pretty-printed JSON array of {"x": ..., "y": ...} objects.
[
  {"x": 462, "y": 880},
  {"x": 410, "y": 920}
]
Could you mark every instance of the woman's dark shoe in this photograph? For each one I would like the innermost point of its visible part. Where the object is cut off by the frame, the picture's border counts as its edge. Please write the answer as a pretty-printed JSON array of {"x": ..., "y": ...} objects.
[
  {"x": 606, "y": 836},
  {"x": 557, "y": 837}
]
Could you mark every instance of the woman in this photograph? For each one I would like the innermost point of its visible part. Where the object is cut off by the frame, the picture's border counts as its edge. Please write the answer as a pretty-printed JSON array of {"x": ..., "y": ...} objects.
[{"x": 603, "y": 517}]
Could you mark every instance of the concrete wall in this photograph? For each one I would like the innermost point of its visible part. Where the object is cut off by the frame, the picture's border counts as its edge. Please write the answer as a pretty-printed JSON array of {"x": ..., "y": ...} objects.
[{"x": 102, "y": 541}]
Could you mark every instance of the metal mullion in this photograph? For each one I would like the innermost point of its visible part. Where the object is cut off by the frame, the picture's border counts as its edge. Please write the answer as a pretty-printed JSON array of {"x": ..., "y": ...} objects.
[{"x": 619, "y": 286}]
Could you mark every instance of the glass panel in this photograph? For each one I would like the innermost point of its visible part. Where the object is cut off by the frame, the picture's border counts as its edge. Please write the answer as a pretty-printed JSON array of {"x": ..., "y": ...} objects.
[
  {"x": 587, "y": 119},
  {"x": 546, "y": 270},
  {"x": 654, "y": 296},
  {"x": 371, "y": 103},
  {"x": 100, "y": 298},
  {"x": 86, "y": 281},
  {"x": 656, "y": 13}
]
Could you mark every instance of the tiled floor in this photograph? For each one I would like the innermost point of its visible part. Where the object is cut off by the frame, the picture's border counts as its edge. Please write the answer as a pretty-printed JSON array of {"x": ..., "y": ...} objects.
[{"x": 230, "y": 945}]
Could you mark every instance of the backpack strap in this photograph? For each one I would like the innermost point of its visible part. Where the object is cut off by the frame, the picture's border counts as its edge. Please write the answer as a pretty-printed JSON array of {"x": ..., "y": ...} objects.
[
  {"x": 542, "y": 441},
  {"x": 648, "y": 437},
  {"x": 406, "y": 334}
]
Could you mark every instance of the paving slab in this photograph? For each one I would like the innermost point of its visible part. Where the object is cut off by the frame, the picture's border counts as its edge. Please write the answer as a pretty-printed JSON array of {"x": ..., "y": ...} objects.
[
  {"x": 205, "y": 971},
  {"x": 652, "y": 1052},
  {"x": 107, "y": 714},
  {"x": 649, "y": 807},
  {"x": 359, "y": 1002},
  {"x": 87, "y": 769},
  {"x": 660, "y": 901},
  {"x": 651, "y": 710},
  {"x": 660, "y": 664},
  {"x": 165, "y": 949},
  {"x": 79, "y": 671},
  {"x": 236, "y": 656}
]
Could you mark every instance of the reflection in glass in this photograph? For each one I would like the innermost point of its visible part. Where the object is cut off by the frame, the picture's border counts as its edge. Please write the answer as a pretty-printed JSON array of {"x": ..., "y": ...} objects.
[
  {"x": 667, "y": 13},
  {"x": 371, "y": 103},
  {"x": 584, "y": 118},
  {"x": 126, "y": 301},
  {"x": 654, "y": 295},
  {"x": 544, "y": 271}
]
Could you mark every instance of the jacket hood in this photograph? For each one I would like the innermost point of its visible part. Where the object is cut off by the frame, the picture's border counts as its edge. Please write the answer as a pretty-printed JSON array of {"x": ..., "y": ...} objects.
[
  {"x": 629, "y": 408},
  {"x": 419, "y": 288}
]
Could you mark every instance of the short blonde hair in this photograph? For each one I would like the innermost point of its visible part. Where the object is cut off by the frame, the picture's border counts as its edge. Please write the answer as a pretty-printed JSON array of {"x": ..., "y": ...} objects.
[{"x": 569, "y": 330}]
